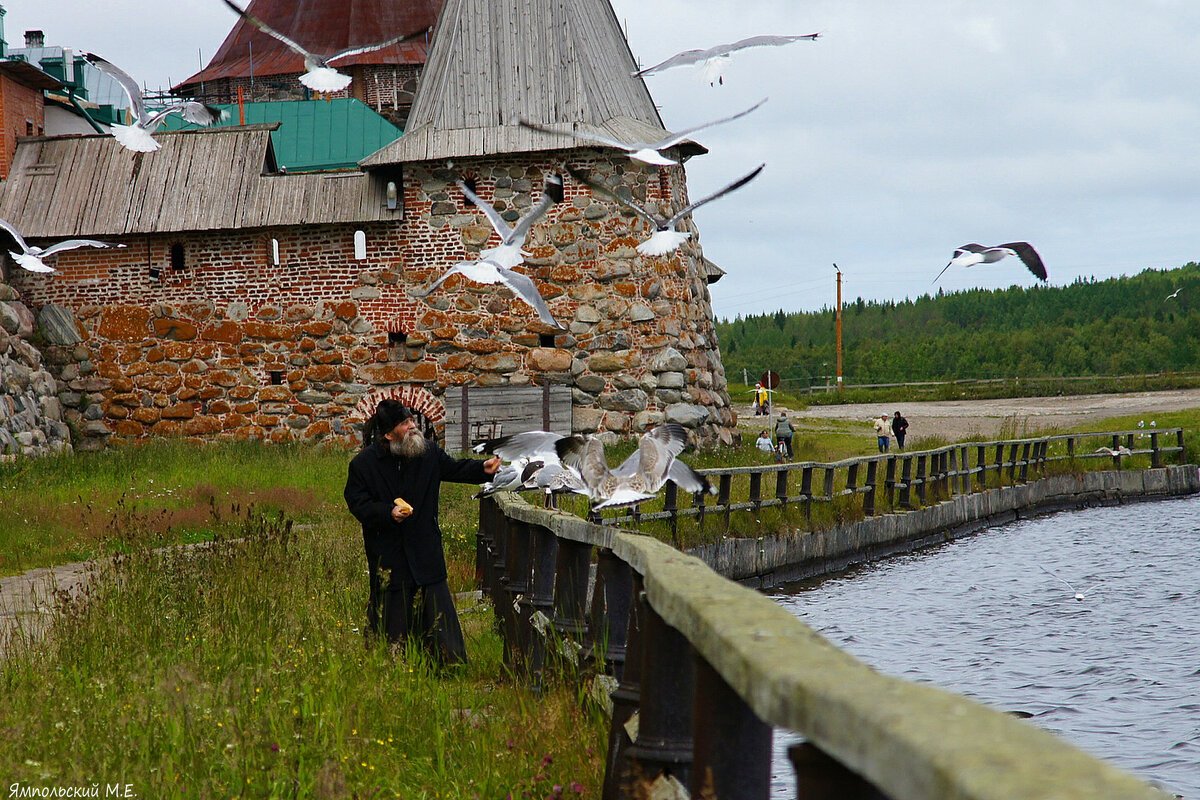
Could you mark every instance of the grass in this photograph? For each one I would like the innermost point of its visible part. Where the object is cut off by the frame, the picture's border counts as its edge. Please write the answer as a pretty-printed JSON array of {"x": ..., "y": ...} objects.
[{"x": 239, "y": 670}]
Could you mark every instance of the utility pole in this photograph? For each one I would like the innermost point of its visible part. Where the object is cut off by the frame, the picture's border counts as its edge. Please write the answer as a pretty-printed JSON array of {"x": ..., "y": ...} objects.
[{"x": 839, "y": 328}]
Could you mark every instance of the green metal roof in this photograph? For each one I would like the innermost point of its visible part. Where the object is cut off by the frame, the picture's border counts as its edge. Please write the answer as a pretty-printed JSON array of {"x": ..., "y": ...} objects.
[{"x": 314, "y": 135}]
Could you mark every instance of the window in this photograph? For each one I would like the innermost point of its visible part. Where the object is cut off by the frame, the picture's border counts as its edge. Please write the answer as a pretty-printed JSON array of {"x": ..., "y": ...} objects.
[
  {"x": 397, "y": 338},
  {"x": 545, "y": 340},
  {"x": 177, "y": 260},
  {"x": 276, "y": 376},
  {"x": 360, "y": 245}
]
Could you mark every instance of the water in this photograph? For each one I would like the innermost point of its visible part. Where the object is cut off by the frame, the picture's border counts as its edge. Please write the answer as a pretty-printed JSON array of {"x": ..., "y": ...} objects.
[{"x": 1116, "y": 674}]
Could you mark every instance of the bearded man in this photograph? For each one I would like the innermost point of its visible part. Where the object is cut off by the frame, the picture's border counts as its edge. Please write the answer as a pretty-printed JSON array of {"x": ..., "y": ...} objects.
[{"x": 392, "y": 489}]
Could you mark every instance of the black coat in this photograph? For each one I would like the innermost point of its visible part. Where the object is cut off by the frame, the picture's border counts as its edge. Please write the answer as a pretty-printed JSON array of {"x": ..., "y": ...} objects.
[{"x": 415, "y": 545}]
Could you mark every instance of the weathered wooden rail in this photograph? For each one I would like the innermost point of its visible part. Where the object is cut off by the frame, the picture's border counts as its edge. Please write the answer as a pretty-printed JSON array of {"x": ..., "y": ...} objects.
[
  {"x": 706, "y": 668},
  {"x": 903, "y": 480}
]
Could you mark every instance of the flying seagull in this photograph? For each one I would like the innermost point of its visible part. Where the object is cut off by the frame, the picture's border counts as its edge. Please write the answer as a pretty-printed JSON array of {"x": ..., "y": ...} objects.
[
  {"x": 971, "y": 254},
  {"x": 1175, "y": 293},
  {"x": 665, "y": 237},
  {"x": 649, "y": 152},
  {"x": 137, "y": 137},
  {"x": 31, "y": 256},
  {"x": 640, "y": 476},
  {"x": 509, "y": 253},
  {"x": 1078, "y": 594},
  {"x": 714, "y": 60},
  {"x": 320, "y": 77},
  {"x": 527, "y": 454}
]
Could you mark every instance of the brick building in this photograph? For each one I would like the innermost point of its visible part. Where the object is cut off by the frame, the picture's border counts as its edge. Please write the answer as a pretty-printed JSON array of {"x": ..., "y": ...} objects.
[
  {"x": 253, "y": 304},
  {"x": 22, "y": 105}
]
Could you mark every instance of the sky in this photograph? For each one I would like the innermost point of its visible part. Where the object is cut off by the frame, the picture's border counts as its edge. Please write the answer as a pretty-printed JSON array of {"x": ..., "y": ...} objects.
[{"x": 906, "y": 130}]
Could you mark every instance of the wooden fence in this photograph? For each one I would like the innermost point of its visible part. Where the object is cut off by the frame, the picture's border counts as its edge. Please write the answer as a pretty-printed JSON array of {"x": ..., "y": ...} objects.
[
  {"x": 704, "y": 669},
  {"x": 902, "y": 480}
]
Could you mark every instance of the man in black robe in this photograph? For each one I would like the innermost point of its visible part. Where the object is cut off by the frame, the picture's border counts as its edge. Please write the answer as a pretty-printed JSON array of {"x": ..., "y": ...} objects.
[{"x": 408, "y": 594}]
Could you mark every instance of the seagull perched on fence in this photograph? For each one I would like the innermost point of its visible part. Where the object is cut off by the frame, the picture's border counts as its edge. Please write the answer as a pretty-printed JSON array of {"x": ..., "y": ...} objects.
[
  {"x": 509, "y": 253},
  {"x": 526, "y": 453},
  {"x": 714, "y": 60},
  {"x": 648, "y": 152},
  {"x": 31, "y": 256},
  {"x": 640, "y": 476},
  {"x": 1078, "y": 594},
  {"x": 319, "y": 76},
  {"x": 971, "y": 254},
  {"x": 486, "y": 270},
  {"x": 137, "y": 137},
  {"x": 666, "y": 237}
]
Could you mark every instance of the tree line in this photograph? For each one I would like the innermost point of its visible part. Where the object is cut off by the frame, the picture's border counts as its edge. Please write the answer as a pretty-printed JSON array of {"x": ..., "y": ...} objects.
[{"x": 1117, "y": 326}]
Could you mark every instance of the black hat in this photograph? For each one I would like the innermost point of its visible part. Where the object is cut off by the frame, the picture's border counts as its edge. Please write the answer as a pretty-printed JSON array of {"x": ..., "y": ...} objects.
[{"x": 388, "y": 414}]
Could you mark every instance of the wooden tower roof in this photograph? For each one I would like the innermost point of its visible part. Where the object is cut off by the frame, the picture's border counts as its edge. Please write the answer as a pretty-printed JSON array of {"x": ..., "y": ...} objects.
[
  {"x": 549, "y": 61},
  {"x": 324, "y": 27}
]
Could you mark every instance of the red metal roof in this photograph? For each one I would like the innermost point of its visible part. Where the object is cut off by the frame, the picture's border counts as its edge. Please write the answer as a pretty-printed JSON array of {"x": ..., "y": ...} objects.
[{"x": 324, "y": 27}]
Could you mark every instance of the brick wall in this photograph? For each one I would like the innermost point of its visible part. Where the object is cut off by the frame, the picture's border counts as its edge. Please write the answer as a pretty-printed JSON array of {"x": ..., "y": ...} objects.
[{"x": 20, "y": 108}]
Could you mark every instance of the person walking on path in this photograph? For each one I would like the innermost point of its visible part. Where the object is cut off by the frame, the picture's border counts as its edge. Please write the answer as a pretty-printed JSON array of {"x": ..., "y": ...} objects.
[
  {"x": 761, "y": 396},
  {"x": 900, "y": 429},
  {"x": 883, "y": 432},
  {"x": 392, "y": 489},
  {"x": 783, "y": 432}
]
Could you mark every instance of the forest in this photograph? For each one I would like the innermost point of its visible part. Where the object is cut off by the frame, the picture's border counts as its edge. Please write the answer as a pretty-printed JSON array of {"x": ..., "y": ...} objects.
[{"x": 1117, "y": 326}]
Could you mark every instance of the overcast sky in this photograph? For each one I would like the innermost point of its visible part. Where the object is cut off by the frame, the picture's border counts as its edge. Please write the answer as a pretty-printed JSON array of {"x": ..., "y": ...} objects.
[{"x": 907, "y": 130}]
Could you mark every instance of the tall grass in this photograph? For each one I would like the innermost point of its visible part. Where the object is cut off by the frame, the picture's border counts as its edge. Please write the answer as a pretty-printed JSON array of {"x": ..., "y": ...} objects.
[{"x": 238, "y": 669}]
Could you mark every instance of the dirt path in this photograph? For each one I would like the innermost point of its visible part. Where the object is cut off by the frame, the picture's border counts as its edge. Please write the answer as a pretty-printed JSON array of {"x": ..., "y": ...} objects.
[{"x": 958, "y": 419}]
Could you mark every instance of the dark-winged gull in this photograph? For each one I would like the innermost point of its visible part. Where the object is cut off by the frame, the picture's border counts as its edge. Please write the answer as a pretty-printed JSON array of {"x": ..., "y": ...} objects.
[
  {"x": 649, "y": 152},
  {"x": 640, "y": 476},
  {"x": 971, "y": 254},
  {"x": 320, "y": 77},
  {"x": 137, "y": 137},
  {"x": 714, "y": 60},
  {"x": 31, "y": 256},
  {"x": 526, "y": 455},
  {"x": 508, "y": 253},
  {"x": 665, "y": 237}
]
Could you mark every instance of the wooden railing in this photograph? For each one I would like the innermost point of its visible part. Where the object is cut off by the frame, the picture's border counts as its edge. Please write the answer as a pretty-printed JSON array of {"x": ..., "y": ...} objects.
[
  {"x": 705, "y": 669},
  {"x": 900, "y": 480}
]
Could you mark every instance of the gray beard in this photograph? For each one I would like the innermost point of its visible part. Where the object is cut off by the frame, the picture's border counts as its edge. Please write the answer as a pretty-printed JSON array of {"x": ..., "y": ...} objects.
[{"x": 411, "y": 446}]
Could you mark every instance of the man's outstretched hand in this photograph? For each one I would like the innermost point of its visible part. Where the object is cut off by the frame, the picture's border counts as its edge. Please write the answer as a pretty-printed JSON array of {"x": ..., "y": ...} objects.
[{"x": 492, "y": 465}]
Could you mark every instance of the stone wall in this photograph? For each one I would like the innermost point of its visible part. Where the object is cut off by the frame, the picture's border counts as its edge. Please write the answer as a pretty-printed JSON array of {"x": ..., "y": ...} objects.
[
  {"x": 31, "y": 416},
  {"x": 202, "y": 334}
]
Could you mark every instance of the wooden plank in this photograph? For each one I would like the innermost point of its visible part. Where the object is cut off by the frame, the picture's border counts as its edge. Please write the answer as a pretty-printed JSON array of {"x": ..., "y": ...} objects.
[{"x": 512, "y": 408}]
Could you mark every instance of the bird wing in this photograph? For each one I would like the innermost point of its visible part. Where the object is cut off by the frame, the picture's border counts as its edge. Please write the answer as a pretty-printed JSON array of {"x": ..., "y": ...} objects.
[
  {"x": 739, "y": 183},
  {"x": 267, "y": 29},
  {"x": 657, "y": 222},
  {"x": 1029, "y": 257},
  {"x": 762, "y": 41},
  {"x": 973, "y": 247},
  {"x": 527, "y": 290},
  {"x": 200, "y": 114},
  {"x": 71, "y": 244},
  {"x": 527, "y": 444},
  {"x": 679, "y": 136},
  {"x": 587, "y": 137},
  {"x": 678, "y": 60},
  {"x": 425, "y": 292},
  {"x": 550, "y": 196},
  {"x": 687, "y": 478},
  {"x": 122, "y": 77},
  {"x": 18, "y": 238},
  {"x": 501, "y": 227},
  {"x": 366, "y": 48},
  {"x": 1052, "y": 575}
]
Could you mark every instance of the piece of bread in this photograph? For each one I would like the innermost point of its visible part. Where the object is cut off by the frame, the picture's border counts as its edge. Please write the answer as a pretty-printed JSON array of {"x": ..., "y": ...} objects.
[{"x": 400, "y": 501}]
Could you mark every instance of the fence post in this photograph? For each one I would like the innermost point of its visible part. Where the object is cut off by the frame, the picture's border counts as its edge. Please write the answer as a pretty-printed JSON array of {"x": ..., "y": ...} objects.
[
  {"x": 625, "y": 699},
  {"x": 919, "y": 480},
  {"x": 732, "y": 745},
  {"x": 610, "y": 611},
  {"x": 756, "y": 490},
  {"x": 806, "y": 490},
  {"x": 781, "y": 488},
  {"x": 869, "y": 494},
  {"x": 1025, "y": 461},
  {"x": 724, "y": 489},
  {"x": 819, "y": 777},
  {"x": 981, "y": 467},
  {"x": 1155, "y": 456},
  {"x": 890, "y": 481},
  {"x": 1012, "y": 462},
  {"x": 1179, "y": 444},
  {"x": 519, "y": 571},
  {"x": 570, "y": 595},
  {"x": 906, "y": 483},
  {"x": 1071, "y": 448},
  {"x": 671, "y": 506},
  {"x": 665, "y": 721},
  {"x": 544, "y": 556},
  {"x": 1000, "y": 462}
]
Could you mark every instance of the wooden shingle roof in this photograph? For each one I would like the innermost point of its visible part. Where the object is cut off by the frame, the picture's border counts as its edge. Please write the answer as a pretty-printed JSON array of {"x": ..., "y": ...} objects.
[
  {"x": 548, "y": 61},
  {"x": 70, "y": 186}
]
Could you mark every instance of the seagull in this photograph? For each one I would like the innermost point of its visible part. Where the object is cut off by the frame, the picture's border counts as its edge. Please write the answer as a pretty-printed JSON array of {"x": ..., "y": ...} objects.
[
  {"x": 528, "y": 454},
  {"x": 509, "y": 253},
  {"x": 489, "y": 272},
  {"x": 648, "y": 152},
  {"x": 714, "y": 60},
  {"x": 665, "y": 237},
  {"x": 1175, "y": 293},
  {"x": 1078, "y": 594},
  {"x": 1120, "y": 451},
  {"x": 137, "y": 137},
  {"x": 971, "y": 254},
  {"x": 640, "y": 476},
  {"x": 31, "y": 256},
  {"x": 320, "y": 77}
]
